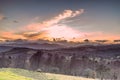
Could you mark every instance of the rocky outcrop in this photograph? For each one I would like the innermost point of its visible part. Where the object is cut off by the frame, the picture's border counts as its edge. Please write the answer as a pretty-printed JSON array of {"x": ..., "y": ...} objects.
[{"x": 34, "y": 59}]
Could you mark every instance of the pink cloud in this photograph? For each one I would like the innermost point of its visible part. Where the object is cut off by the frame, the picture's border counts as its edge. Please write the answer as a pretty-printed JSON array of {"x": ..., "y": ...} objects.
[
  {"x": 66, "y": 14},
  {"x": 59, "y": 31},
  {"x": 55, "y": 20}
]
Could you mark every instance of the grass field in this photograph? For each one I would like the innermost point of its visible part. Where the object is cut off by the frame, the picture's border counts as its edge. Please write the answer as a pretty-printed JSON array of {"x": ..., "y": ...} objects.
[
  {"x": 11, "y": 76},
  {"x": 65, "y": 77},
  {"x": 21, "y": 74}
]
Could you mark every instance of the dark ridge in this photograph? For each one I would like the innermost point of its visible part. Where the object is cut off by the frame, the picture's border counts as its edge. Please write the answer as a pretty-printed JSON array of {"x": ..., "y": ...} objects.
[
  {"x": 98, "y": 47},
  {"x": 17, "y": 50}
]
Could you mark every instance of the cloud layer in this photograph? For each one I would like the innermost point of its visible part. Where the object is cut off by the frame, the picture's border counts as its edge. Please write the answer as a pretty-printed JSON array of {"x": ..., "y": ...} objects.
[{"x": 52, "y": 28}]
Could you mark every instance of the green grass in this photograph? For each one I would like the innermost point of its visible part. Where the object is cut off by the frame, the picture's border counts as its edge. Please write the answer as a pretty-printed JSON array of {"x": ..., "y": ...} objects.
[
  {"x": 11, "y": 76},
  {"x": 65, "y": 77},
  {"x": 20, "y": 74}
]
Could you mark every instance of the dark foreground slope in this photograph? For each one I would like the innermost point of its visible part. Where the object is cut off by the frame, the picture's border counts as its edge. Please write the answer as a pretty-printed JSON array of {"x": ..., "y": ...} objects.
[{"x": 78, "y": 61}]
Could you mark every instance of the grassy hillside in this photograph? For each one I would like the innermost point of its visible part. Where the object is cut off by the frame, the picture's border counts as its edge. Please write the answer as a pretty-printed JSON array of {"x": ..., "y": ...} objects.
[
  {"x": 65, "y": 77},
  {"x": 11, "y": 76},
  {"x": 20, "y": 74}
]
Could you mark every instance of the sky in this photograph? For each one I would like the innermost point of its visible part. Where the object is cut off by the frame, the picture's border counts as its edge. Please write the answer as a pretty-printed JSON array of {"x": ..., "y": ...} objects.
[{"x": 65, "y": 19}]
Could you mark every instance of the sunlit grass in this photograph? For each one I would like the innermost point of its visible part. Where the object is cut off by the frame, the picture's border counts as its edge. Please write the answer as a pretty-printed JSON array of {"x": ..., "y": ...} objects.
[
  {"x": 7, "y": 75},
  {"x": 21, "y": 74},
  {"x": 65, "y": 77}
]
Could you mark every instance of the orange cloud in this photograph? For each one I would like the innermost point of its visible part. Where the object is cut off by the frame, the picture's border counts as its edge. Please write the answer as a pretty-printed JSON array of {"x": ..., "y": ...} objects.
[
  {"x": 101, "y": 36},
  {"x": 35, "y": 35},
  {"x": 10, "y": 35},
  {"x": 34, "y": 27}
]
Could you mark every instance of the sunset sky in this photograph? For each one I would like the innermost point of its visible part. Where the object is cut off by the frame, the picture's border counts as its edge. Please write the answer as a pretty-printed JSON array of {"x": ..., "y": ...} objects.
[{"x": 68, "y": 19}]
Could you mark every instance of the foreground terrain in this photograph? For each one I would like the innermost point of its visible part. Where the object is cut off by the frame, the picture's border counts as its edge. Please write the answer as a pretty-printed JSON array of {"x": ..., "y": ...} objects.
[
  {"x": 20, "y": 74},
  {"x": 65, "y": 77},
  {"x": 90, "y": 61}
]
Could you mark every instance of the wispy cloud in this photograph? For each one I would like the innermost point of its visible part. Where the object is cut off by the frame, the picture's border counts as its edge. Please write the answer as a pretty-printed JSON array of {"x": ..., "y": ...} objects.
[
  {"x": 55, "y": 20},
  {"x": 66, "y": 14}
]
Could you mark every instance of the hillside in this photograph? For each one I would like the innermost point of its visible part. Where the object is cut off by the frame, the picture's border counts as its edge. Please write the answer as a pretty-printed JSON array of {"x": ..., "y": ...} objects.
[
  {"x": 20, "y": 74},
  {"x": 65, "y": 77},
  {"x": 11, "y": 76},
  {"x": 75, "y": 61}
]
